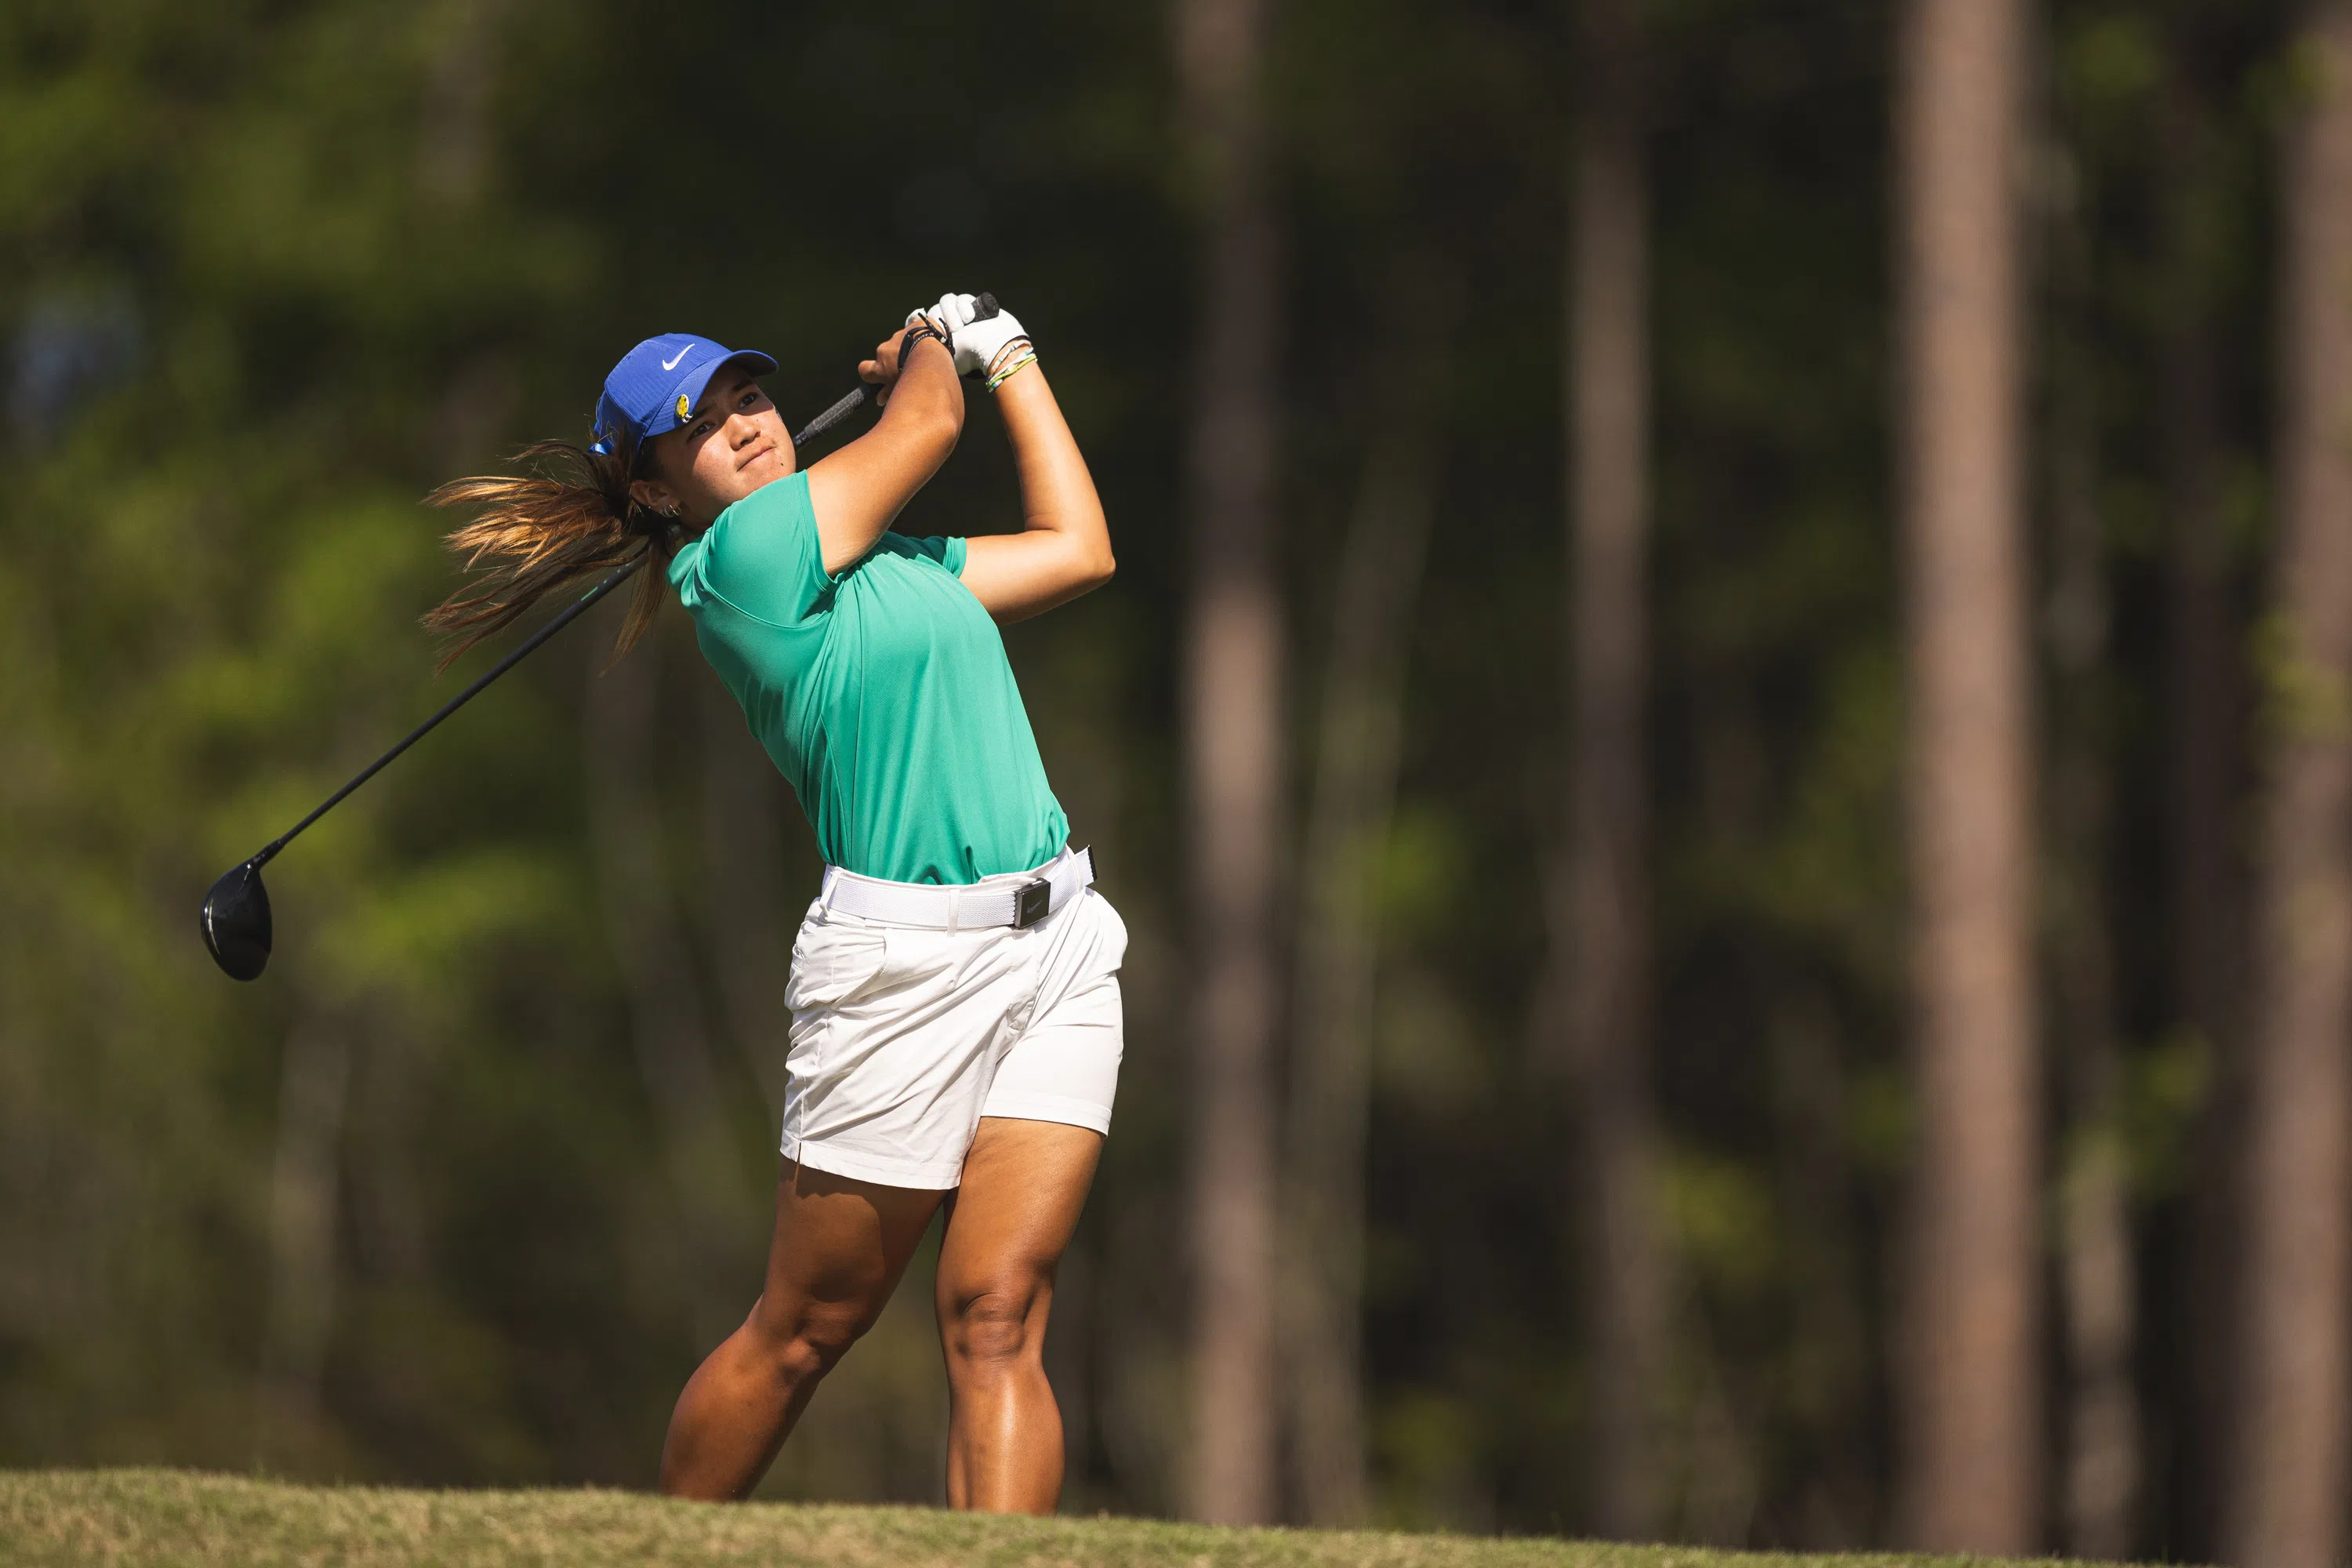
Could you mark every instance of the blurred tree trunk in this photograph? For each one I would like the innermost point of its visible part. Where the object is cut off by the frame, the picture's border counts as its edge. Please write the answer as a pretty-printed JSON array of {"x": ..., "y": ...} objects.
[
  {"x": 1604, "y": 925},
  {"x": 2204, "y": 747},
  {"x": 456, "y": 142},
  {"x": 1828, "y": 1298},
  {"x": 1970, "y": 1476},
  {"x": 2287, "y": 1502},
  {"x": 2099, "y": 1286},
  {"x": 743, "y": 811},
  {"x": 305, "y": 1197},
  {"x": 1234, "y": 754},
  {"x": 1381, "y": 569},
  {"x": 716, "y": 1225}
]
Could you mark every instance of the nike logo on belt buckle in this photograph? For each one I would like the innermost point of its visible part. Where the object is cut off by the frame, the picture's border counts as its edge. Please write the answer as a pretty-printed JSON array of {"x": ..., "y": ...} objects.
[{"x": 1032, "y": 903}]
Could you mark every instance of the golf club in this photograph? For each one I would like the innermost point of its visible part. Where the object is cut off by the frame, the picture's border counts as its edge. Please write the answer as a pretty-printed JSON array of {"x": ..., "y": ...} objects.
[{"x": 236, "y": 911}]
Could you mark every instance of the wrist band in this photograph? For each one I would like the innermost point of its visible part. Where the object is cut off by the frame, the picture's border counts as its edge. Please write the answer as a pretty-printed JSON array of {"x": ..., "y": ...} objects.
[
  {"x": 1022, "y": 354},
  {"x": 913, "y": 335},
  {"x": 1005, "y": 353}
]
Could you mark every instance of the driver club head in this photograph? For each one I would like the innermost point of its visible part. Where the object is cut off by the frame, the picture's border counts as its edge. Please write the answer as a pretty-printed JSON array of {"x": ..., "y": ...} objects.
[{"x": 237, "y": 922}]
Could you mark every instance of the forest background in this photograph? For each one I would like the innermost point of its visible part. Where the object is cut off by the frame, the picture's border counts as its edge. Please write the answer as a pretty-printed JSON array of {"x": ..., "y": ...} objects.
[{"x": 1425, "y": 1203}]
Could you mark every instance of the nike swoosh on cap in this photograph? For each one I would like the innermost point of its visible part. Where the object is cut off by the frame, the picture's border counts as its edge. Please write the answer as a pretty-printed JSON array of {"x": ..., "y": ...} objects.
[{"x": 672, "y": 364}]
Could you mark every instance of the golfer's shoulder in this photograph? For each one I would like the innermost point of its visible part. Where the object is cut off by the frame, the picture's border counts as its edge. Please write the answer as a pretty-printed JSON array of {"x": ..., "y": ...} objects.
[
  {"x": 769, "y": 529},
  {"x": 763, "y": 556},
  {"x": 769, "y": 515}
]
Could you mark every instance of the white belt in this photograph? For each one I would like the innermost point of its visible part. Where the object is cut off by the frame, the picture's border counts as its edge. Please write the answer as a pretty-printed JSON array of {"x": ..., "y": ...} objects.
[{"x": 998, "y": 901}]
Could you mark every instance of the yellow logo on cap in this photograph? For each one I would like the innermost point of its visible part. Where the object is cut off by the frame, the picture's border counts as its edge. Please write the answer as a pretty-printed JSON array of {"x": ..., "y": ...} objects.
[{"x": 685, "y": 409}]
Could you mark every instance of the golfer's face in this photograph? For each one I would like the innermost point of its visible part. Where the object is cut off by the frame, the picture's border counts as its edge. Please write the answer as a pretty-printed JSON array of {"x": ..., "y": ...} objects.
[{"x": 732, "y": 444}]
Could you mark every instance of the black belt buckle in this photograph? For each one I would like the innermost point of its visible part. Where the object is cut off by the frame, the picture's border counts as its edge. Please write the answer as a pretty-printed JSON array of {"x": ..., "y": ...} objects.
[{"x": 1032, "y": 903}]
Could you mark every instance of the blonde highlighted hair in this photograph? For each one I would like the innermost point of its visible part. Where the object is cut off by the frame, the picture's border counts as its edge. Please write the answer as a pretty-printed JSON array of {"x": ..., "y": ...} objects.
[{"x": 571, "y": 517}]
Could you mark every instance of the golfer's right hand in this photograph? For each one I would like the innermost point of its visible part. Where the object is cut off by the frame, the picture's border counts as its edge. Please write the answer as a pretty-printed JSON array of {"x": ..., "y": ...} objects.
[{"x": 884, "y": 368}]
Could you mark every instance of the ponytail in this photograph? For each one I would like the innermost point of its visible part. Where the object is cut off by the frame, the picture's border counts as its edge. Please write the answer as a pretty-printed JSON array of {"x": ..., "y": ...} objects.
[{"x": 572, "y": 518}]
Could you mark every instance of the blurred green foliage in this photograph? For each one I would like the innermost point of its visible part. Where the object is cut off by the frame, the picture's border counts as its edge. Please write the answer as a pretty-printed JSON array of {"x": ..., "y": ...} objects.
[{"x": 270, "y": 270}]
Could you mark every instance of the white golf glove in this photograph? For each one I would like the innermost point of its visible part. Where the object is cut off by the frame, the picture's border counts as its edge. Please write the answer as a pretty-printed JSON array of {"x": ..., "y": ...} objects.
[{"x": 976, "y": 341}]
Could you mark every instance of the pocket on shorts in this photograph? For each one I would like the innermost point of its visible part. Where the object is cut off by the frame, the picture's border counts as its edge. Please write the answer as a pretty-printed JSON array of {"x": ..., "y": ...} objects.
[
  {"x": 832, "y": 963},
  {"x": 1114, "y": 948}
]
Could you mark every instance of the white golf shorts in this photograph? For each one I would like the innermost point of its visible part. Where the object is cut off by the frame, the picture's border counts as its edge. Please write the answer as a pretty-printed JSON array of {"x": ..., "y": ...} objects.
[{"x": 904, "y": 1037}]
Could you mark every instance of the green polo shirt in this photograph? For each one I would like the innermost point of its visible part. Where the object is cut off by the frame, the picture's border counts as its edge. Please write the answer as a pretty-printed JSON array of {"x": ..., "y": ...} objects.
[{"x": 881, "y": 690}]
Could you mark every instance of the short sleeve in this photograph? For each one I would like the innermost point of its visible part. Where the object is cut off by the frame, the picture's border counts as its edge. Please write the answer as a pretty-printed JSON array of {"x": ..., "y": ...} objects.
[
  {"x": 947, "y": 552},
  {"x": 764, "y": 555}
]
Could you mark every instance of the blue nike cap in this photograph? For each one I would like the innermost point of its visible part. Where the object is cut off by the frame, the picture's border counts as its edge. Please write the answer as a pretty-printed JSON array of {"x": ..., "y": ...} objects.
[{"x": 656, "y": 384}]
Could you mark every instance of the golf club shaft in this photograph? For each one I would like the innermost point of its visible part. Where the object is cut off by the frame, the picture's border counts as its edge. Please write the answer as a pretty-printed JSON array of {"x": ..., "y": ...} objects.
[
  {"x": 570, "y": 613},
  {"x": 817, "y": 427}
]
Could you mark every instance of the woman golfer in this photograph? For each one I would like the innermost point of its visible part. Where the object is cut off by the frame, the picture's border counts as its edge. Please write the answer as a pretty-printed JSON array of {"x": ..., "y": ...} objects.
[{"x": 954, "y": 989}]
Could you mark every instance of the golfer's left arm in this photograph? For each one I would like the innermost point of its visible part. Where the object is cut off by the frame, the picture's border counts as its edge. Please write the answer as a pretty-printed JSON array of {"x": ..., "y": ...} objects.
[{"x": 1064, "y": 547}]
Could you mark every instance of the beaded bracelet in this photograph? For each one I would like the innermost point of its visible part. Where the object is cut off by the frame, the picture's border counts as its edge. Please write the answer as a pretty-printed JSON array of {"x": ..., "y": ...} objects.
[
  {"x": 1007, "y": 350},
  {"x": 1026, "y": 355}
]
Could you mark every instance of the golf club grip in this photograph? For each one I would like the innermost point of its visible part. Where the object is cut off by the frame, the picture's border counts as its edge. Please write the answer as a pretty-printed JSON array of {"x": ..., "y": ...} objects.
[
  {"x": 834, "y": 416},
  {"x": 984, "y": 308}
]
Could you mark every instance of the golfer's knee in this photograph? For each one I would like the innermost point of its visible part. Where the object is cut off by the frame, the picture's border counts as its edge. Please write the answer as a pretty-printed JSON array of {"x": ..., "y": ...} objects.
[
  {"x": 994, "y": 1327},
  {"x": 808, "y": 1340}
]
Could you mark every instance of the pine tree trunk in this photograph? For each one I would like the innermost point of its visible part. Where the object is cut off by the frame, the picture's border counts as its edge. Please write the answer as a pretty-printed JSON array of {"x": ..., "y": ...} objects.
[
  {"x": 2204, "y": 751},
  {"x": 2286, "y": 1508},
  {"x": 1233, "y": 660},
  {"x": 1970, "y": 1471},
  {"x": 2098, "y": 1294},
  {"x": 719, "y": 1231},
  {"x": 305, "y": 1201},
  {"x": 1348, "y": 826},
  {"x": 1829, "y": 1350},
  {"x": 744, "y": 808},
  {"x": 1606, "y": 920}
]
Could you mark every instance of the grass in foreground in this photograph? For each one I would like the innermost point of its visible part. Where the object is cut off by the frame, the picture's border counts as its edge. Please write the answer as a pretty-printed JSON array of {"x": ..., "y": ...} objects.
[{"x": 179, "y": 1517}]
